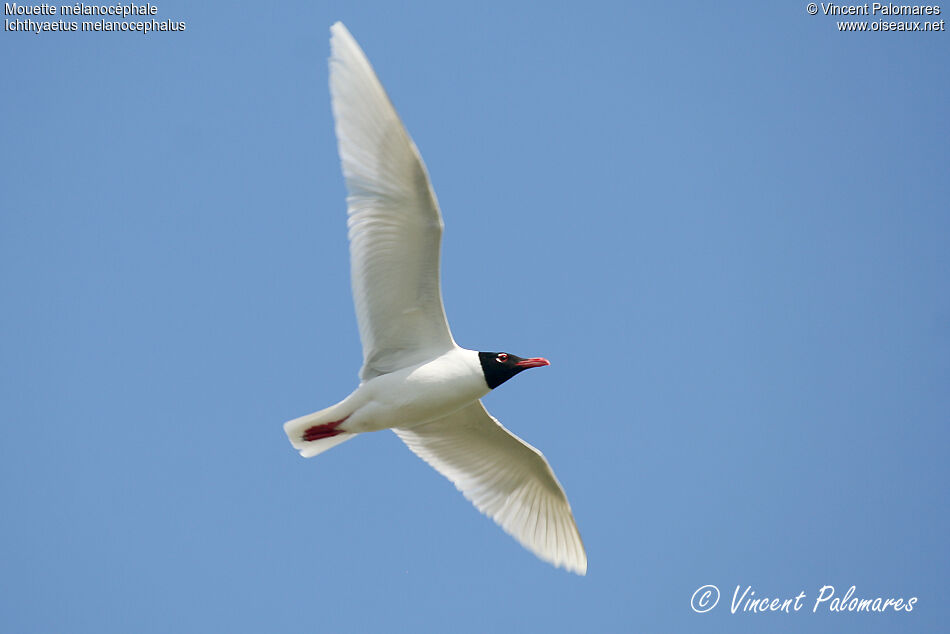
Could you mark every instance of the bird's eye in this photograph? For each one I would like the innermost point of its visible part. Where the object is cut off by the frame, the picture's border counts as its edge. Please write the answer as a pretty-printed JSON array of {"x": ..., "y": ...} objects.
[{"x": 501, "y": 358}]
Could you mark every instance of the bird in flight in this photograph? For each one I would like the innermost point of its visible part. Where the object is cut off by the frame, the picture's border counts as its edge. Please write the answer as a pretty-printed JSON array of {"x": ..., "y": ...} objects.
[{"x": 415, "y": 379}]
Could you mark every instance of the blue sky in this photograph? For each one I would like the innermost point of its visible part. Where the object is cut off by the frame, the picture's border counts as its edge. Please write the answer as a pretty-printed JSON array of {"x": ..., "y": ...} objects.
[{"x": 726, "y": 226}]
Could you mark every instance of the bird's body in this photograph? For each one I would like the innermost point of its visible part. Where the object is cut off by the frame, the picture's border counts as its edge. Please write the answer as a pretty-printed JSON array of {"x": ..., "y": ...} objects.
[
  {"x": 421, "y": 393},
  {"x": 407, "y": 397},
  {"x": 415, "y": 379}
]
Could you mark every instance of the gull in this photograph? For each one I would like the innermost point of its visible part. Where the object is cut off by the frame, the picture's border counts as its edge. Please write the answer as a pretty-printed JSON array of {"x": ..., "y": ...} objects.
[{"x": 415, "y": 379}]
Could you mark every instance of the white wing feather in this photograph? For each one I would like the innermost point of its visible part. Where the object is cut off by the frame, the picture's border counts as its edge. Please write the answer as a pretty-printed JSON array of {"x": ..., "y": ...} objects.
[
  {"x": 394, "y": 223},
  {"x": 505, "y": 478}
]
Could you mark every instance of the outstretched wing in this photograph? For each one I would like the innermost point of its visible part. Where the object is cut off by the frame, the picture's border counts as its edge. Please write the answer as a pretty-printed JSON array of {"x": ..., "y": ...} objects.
[
  {"x": 395, "y": 227},
  {"x": 505, "y": 478}
]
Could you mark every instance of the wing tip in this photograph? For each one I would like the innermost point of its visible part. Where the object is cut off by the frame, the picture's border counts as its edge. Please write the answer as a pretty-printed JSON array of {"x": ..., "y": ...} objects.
[
  {"x": 338, "y": 27},
  {"x": 575, "y": 563},
  {"x": 340, "y": 36},
  {"x": 578, "y": 567}
]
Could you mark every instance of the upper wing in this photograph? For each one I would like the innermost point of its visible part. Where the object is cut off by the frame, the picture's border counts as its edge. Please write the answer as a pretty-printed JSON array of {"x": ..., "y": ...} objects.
[
  {"x": 506, "y": 478},
  {"x": 394, "y": 222}
]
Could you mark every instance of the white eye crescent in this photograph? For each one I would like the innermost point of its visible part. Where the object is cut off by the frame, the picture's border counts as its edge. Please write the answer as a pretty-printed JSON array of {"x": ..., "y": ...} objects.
[{"x": 501, "y": 358}]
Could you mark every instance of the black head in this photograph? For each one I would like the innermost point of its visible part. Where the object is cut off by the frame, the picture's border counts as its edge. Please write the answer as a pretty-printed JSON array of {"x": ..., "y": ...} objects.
[{"x": 498, "y": 367}]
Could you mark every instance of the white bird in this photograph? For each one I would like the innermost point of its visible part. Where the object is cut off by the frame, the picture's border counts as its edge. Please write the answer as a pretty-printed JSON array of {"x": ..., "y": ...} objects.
[{"x": 415, "y": 379}]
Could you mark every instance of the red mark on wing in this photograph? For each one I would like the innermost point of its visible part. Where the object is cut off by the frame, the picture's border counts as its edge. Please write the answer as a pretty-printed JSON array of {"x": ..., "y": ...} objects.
[{"x": 326, "y": 430}]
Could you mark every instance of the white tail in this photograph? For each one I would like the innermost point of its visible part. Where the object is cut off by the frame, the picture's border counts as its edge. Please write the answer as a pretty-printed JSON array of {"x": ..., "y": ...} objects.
[{"x": 321, "y": 427}]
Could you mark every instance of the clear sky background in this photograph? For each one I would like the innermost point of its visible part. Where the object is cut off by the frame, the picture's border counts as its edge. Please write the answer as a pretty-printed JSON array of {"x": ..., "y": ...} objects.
[{"x": 726, "y": 225}]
